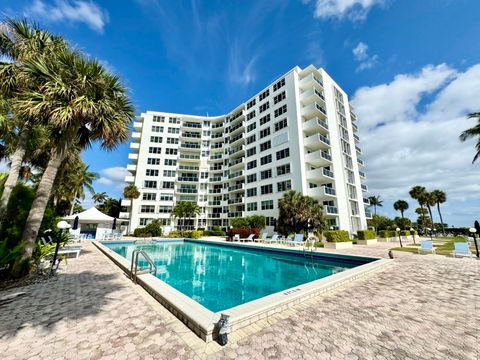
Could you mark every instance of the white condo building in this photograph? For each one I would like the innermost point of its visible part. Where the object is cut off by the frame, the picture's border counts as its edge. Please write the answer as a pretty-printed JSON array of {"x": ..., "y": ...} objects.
[{"x": 298, "y": 133}]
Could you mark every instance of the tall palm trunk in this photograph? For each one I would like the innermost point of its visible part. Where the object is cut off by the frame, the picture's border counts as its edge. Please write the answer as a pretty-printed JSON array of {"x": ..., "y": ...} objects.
[
  {"x": 401, "y": 212},
  {"x": 14, "y": 172},
  {"x": 73, "y": 203},
  {"x": 35, "y": 217},
  {"x": 441, "y": 219},
  {"x": 431, "y": 217},
  {"x": 423, "y": 217}
]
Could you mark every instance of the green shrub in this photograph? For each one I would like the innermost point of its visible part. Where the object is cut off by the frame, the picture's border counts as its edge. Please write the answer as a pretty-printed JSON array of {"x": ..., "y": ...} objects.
[
  {"x": 405, "y": 232},
  {"x": 253, "y": 221},
  {"x": 387, "y": 233},
  {"x": 216, "y": 231},
  {"x": 190, "y": 234},
  {"x": 337, "y": 235},
  {"x": 152, "y": 229},
  {"x": 366, "y": 234}
]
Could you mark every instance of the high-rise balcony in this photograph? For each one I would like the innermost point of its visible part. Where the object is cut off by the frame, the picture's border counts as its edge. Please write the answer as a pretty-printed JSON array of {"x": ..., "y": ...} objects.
[
  {"x": 320, "y": 175},
  {"x": 356, "y": 137},
  {"x": 135, "y": 146},
  {"x": 136, "y": 135},
  {"x": 368, "y": 214},
  {"x": 318, "y": 158},
  {"x": 236, "y": 188},
  {"x": 137, "y": 125},
  {"x": 360, "y": 162},
  {"x": 314, "y": 109},
  {"x": 190, "y": 147},
  {"x": 312, "y": 94},
  {"x": 237, "y": 163},
  {"x": 214, "y": 215},
  {"x": 237, "y": 140},
  {"x": 215, "y": 191},
  {"x": 191, "y": 126},
  {"x": 187, "y": 179},
  {"x": 237, "y": 174},
  {"x": 362, "y": 174},
  {"x": 191, "y": 136},
  {"x": 237, "y": 151},
  {"x": 189, "y": 157},
  {"x": 237, "y": 129},
  {"x": 132, "y": 168},
  {"x": 236, "y": 214},
  {"x": 354, "y": 127},
  {"x": 126, "y": 202},
  {"x": 215, "y": 179},
  {"x": 322, "y": 191},
  {"x": 186, "y": 190},
  {"x": 353, "y": 116},
  {"x": 359, "y": 151},
  {"x": 366, "y": 201},
  {"x": 364, "y": 187},
  {"x": 124, "y": 215},
  {"x": 310, "y": 80},
  {"x": 315, "y": 125},
  {"x": 188, "y": 168},
  {"x": 237, "y": 200},
  {"x": 316, "y": 142},
  {"x": 129, "y": 179},
  {"x": 133, "y": 156},
  {"x": 330, "y": 210}
]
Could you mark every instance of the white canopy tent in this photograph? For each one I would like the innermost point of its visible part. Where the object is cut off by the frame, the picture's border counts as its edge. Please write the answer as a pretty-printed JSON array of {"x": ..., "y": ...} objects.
[{"x": 92, "y": 222}]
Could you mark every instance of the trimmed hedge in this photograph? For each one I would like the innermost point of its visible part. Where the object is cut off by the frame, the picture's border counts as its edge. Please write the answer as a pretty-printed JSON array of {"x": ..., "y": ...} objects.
[
  {"x": 152, "y": 229},
  {"x": 337, "y": 236},
  {"x": 405, "y": 233},
  {"x": 190, "y": 234},
  {"x": 366, "y": 234},
  {"x": 387, "y": 233},
  {"x": 244, "y": 233},
  {"x": 216, "y": 231}
]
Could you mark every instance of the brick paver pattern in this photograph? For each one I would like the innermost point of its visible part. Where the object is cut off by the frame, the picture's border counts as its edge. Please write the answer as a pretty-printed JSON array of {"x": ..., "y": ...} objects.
[{"x": 421, "y": 307}]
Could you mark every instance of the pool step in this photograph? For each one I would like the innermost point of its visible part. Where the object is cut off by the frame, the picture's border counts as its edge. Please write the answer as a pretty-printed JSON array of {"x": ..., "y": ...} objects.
[{"x": 134, "y": 270}]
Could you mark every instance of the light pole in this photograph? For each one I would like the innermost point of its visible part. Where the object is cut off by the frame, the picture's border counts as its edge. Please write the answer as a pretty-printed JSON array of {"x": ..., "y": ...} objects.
[
  {"x": 430, "y": 232},
  {"x": 399, "y": 236},
  {"x": 62, "y": 225},
  {"x": 412, "y": 231},
  {"x": 473, "y": 231}
]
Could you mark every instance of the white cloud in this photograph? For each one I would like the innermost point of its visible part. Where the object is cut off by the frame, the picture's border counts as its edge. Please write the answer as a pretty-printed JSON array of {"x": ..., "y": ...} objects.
[
  {"x": 114, "y": 176},
  {"x": 70, "y": 11},
  {"x": 409, "y": 132},
  {"x": 352, "y": 9},
  {"x": 360, "y": 54}
]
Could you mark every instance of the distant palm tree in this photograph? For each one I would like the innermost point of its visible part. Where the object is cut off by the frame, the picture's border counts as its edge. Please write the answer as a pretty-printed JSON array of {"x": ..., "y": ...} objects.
[
  {"x": 440, "y": 197},
  {"x": 298, "y": 212},
  {"x": 99, "y": 198},
  {"x": 375, "y": 201},
  {"x": 419, "y": 193},
  {"x": 131, "y": 192},
  {"x": 191, "y": 210},
  {"x": 473, "y": 132},
  {"x": 400, "y": 205},
  {"x": 179, "y": 212}
]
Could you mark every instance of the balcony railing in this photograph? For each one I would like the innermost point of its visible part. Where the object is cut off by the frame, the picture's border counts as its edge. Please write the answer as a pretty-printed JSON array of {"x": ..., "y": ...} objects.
[
  {"x": 329, "y": 191},
  {"x": 358, "y": 149},
  {"x": 364, "y": 187},
  {"x": 215, "y": 179},
  {"x": 192, "y": 125},
  {"x": 360, "y": 161},
  {"x": 362, "y": 174},
  {"x": 190, "y": 146},
  {"x": 355, "y": 127},
  {"x": 236, "y": 187},
  {"x": 188, "y": 167},
  {"x": 215, "y": 191},
  {"x": 235, "y": 174},
  {"x": 238, "y": 200},
  {"x": 188, "y": 178},
  {"x": 331, "y": 209},
  {"x": 327, "y": 172},
  {"x": 190, "y": 157},
  {"x": 321, "y": 108},
  {"x": 187, "y": 191}
]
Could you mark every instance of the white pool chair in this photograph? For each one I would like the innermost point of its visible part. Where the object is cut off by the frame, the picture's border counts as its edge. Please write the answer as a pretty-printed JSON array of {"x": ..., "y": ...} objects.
[
  {"x": 427, "y": 246},
  {"x": 462, "y": 249},
  {"x": 263, "y": 238},
  {"x": 249, "y": 238},
  {"x": 274, "y": 239},
  {"x": 236, "y": 237},
  {"x": 297, "y": 240}
]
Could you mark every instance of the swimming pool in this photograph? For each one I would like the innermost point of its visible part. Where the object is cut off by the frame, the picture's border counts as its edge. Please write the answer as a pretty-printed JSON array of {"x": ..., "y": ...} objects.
[
  {"x": 198, "y": 280},
  {"x": 222, "y": 277}
]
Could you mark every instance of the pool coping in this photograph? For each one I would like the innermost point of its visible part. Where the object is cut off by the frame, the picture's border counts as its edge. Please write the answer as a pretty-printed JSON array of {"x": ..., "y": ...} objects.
[{"x": 203, "y": 321}]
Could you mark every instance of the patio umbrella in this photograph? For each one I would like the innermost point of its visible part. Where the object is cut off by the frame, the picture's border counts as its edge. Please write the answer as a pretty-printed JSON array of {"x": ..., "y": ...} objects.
[
  {"x": 75, "y": 223},
  {"x": 114, "y": 225}
]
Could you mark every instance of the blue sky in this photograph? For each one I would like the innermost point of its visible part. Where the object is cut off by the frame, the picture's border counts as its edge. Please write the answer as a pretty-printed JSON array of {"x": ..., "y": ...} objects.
[{"x": 411, "y": 68}]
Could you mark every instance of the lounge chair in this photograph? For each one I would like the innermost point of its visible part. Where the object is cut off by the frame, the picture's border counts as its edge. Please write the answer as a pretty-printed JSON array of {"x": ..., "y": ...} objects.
[
  {"x": 426, "y": 245},
  {"x": 249, "y": 238},
  {"x": 263, "y": 238},
  {"x": 462, "y": 249},
  {"x": 274, "y": 239},
  {"x": 236, "y": 237},
  {"x": 297, "y": 240}
]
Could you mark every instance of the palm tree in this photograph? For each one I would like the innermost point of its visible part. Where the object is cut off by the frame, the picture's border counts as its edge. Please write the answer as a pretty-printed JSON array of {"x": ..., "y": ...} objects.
[
  {"x": 179, "y": 212},
  {"x": 440, "y": 197},
  {"x": 191, "y": 210},
  {"x": 400, "y": 205},
  {"x": 21, "y": 42},
  {"x": 82, "y": 179},
  {"x": 473, "y": 132},
  {"x": 375, "y": 201},
  {"x": 299, "y": 213},
  {"x": 99, "y": 198},
  {"x": 83, "y": 103},
  {"x": 419, "y": 193},
  {"x": 131, "y": 192},
  {"x": 429, "y": 202},
  {"x": 111, "y": 207}
]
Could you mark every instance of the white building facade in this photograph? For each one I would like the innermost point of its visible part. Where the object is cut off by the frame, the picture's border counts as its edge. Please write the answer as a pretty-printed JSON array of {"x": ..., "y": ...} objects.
[{"x": 298, "y": 133}]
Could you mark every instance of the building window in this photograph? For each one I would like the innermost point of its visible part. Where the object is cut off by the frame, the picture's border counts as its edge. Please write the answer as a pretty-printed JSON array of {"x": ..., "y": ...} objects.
[
  {"x": 251, "y": 139},
  {"x": 155, "y": 139},
  {"x": 170, "y": 151},
  {"x": 264, "y": 132},
  {"x": 251, "y": 164},
  {"x": 153, "y": 161},
  {"x": 251, "y": 151},
  {"x": 265, "y": 146},
  {"x": 250, "y": 104},
  {"x": 284, "y": 185},
  {"x": 251, "y": 178},
  {"x": 172, "y": 140},
  {"x": 168, "y": 184},
  {"x": 281, "y": 110},
  {"x": 170, "y": 162},
  {"x": 266, "y": 189},
  {"x": 266, "y": 159},
  {"x": 151, "y": 172},
  {"x": 174, "y": 120},
  {"x": 279, "y": 97},
  {"x": 158, "y": 118},
  {"x": 263, "y": 107},
  {"x": 154, "y": 150},
  {"x": 282, "y": 154},
  {"x": 157, "y": 128},
  {"x": 164, "y": 209},
  {"x": 264, "y": 94},
  {"x": 147, "y": 209},
  {"x": 252, "y": 206},
  {"x": 169, "y": 173},
  {"x": 149, "y": 196},
  {"x": 284, "y": 169},
  {"x": 251, "y": 127},
  {"x": 266, "y": 174},
  {"x": 281, "y": 124},
  {"x": 267, "y": 205},
  {"x": 264, "y": 119},
  {"x": 172, "y": 130},
  {"x": 279, "y": 84},
  {"x": 149, "y": 184},
  {"x": 166, "y": 197},
  {"x": 252, "y": 192},
  {"x": 251, "y": 115}
]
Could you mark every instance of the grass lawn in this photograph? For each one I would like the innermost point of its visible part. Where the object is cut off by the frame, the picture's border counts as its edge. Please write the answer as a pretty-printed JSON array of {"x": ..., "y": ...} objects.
[{"x": 443, "y": 246}]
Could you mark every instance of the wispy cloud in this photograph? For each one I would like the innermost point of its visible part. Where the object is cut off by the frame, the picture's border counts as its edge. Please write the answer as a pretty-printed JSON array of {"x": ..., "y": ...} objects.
[
  {"x": 355, "y": 10},
  {"x": 114, "y": 177},
  {"x": 360, "y": 54},
  {"x": 409, "y": 130},
  {"x": 76, "y": 11}
]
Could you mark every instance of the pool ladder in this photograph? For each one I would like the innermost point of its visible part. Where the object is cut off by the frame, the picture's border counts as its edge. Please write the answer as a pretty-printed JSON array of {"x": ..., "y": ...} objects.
[{"x": 134, "y": 270}]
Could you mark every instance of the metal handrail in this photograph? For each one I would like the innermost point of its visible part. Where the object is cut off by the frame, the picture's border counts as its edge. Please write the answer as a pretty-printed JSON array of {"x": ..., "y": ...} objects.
[{"x": 134, "y": 264}]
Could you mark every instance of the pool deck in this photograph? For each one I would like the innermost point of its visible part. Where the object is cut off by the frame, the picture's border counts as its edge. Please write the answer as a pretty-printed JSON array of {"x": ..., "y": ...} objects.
[{"x": 424, "y": 307}]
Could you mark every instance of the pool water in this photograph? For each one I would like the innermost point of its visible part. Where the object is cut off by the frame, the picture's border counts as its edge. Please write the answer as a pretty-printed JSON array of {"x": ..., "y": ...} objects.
[{"x": 221, "y": 277}]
